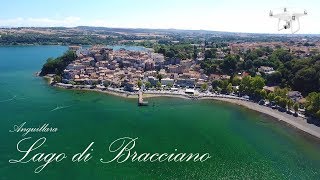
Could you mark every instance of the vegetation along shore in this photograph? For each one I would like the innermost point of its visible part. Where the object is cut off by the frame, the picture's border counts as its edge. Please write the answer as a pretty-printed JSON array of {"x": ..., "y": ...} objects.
[{"x": 278, "y": 76}]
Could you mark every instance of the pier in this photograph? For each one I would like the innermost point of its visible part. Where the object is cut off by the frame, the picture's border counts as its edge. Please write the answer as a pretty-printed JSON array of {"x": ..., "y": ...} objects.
[{"x": 140, "y": 100}]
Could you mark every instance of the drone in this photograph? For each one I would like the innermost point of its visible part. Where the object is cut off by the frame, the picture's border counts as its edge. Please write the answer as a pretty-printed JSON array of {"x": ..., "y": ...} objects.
[{"x": 289, "y": 19}]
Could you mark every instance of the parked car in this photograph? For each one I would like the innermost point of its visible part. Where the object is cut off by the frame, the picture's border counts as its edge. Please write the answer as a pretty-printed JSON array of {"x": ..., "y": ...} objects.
[
  {"x": 281, "y": 109},
  {"x": 289, "y": 112},
  {"x": 262, "y": 102}
]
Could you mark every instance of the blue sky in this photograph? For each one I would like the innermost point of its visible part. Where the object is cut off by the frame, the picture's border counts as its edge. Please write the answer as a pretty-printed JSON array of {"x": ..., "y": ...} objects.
[{"x": 222, "y": 15}]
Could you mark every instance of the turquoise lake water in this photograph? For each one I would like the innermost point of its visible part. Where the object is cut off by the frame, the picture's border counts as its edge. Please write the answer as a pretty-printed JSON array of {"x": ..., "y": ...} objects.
[{"x": 243, "y": 144}]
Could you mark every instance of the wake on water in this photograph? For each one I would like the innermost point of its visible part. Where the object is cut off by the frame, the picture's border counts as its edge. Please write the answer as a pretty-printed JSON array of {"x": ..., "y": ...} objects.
[
  {"x": 12, "y": 99},
  {"x": 8, "y": 100},
  {"x": 59, "y": 108}
]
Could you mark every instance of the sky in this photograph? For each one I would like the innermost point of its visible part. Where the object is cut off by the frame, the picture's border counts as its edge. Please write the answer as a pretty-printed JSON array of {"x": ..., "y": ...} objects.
[{"x": 219, "y": 15}]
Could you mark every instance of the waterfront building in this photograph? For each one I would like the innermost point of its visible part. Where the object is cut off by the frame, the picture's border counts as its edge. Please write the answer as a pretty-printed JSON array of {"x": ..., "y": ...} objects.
[
  {"x": 185, "y": 82},
  {"x": 190, "y": 91},
  {"x": 167, "y": 81},
  {"x": 153, "y": 81}
]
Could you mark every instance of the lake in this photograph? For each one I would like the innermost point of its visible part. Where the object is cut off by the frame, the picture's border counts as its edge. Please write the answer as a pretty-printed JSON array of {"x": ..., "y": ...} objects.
[{"x": 243, "y": 144}]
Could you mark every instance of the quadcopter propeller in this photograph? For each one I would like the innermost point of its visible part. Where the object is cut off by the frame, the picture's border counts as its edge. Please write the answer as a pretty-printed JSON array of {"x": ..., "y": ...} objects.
[
  {"x": 271, "y": 13},
  {"x": 289, "y": 16}
]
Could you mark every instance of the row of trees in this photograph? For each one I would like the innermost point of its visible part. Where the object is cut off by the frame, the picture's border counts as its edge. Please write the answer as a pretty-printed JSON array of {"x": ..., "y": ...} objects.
[{"x": 253, "y": 87}]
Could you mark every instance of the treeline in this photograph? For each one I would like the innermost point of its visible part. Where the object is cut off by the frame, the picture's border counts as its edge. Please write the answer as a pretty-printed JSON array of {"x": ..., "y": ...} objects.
[
  {"x": 291, "y": 73},
  {"x": 42, "y": 39},
  {"x": 301, "y": 74},
  {"x": 253, "y": 87},
  {"x": 181, "y": 51},
  {"x": 57, "y": 65}
]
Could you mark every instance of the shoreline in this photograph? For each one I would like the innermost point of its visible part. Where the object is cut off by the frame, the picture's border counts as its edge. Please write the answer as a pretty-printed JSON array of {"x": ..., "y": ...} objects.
[{"x": 296, "y": 122}]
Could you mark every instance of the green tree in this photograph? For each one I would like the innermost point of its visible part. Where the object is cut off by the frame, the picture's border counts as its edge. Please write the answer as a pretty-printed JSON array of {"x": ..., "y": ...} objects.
[
  {"x": 224, "y": 85},
  {"x": 271, "y": 96},
  {"x": 56, "y": 66},
  {"x": 277, "y": 100},
  {"x": 318, "y": 114},
  {"x": 283, "y": 102},
  {"x": 281, "y": 92},
  {"x": 290, "y": 103},
  {"x": 282, "y": 55},
  {"x": 204, "y": 87},
  {"x": 210, "y": 53},
  {"x": 296, "y": 107},
  {"x": 245, "y": 85},
  {"x": 251, "y": 55},
  {"x": 313, "y": 104},
  {"x": 195, "y": 52},
  {"x": 209, "y": 66},
  {"x": 257, "y": 83},
  {"x": 169, "y": 85},
  {"x": 248, "y": 64},
  {"x": 306, "y": 80},
  {"x": 57, "y": 79},
  {"x": 148, "y": 85},
  {"x": 215, "y": 84},
  {"x": 263, "y": 94},
  {"x": 158, "y": 85},
  {"x": 229, "y": 88},
  {"x": 236, "y": 81},
  {"x": 160, "y": 77},
  {"x": 139, "y": 83},
  {"x": 274, "y": 78},
  {"x": 229, "y": 64}
]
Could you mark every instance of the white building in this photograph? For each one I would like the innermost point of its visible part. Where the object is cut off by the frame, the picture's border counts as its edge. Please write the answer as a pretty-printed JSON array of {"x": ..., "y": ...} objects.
[
  {"x": 266, "y": 70},
  {"x": 189, "y": 91}
]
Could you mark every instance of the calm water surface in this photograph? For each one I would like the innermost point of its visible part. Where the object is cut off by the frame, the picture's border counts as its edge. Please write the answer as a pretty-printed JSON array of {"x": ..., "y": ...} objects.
[{"x": 243, "y": 144}]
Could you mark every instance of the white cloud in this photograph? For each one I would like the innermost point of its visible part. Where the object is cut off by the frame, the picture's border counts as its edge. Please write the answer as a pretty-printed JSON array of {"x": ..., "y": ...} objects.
[{"x": 40, "y": 22}]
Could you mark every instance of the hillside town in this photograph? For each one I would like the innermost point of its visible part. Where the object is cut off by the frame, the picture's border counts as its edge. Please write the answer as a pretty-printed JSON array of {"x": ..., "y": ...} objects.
[
  {"x": 273, "y": 74},
  {"x": 125, "y": 69},
  {"x": 130, "y": 71},
  {"x": 277, "y": 74}
]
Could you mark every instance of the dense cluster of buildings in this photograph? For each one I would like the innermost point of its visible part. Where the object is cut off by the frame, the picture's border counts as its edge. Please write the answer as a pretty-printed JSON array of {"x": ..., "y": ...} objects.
[{"x": 123, "y": 69}]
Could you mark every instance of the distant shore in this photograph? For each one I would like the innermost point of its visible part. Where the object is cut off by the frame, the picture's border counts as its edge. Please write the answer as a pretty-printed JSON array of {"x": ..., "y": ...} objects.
[{"x": 297, "y": 122}]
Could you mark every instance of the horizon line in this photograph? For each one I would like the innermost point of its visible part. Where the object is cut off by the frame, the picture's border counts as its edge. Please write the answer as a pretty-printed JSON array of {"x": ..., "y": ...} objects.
[{"x": 142, "y": 28}]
